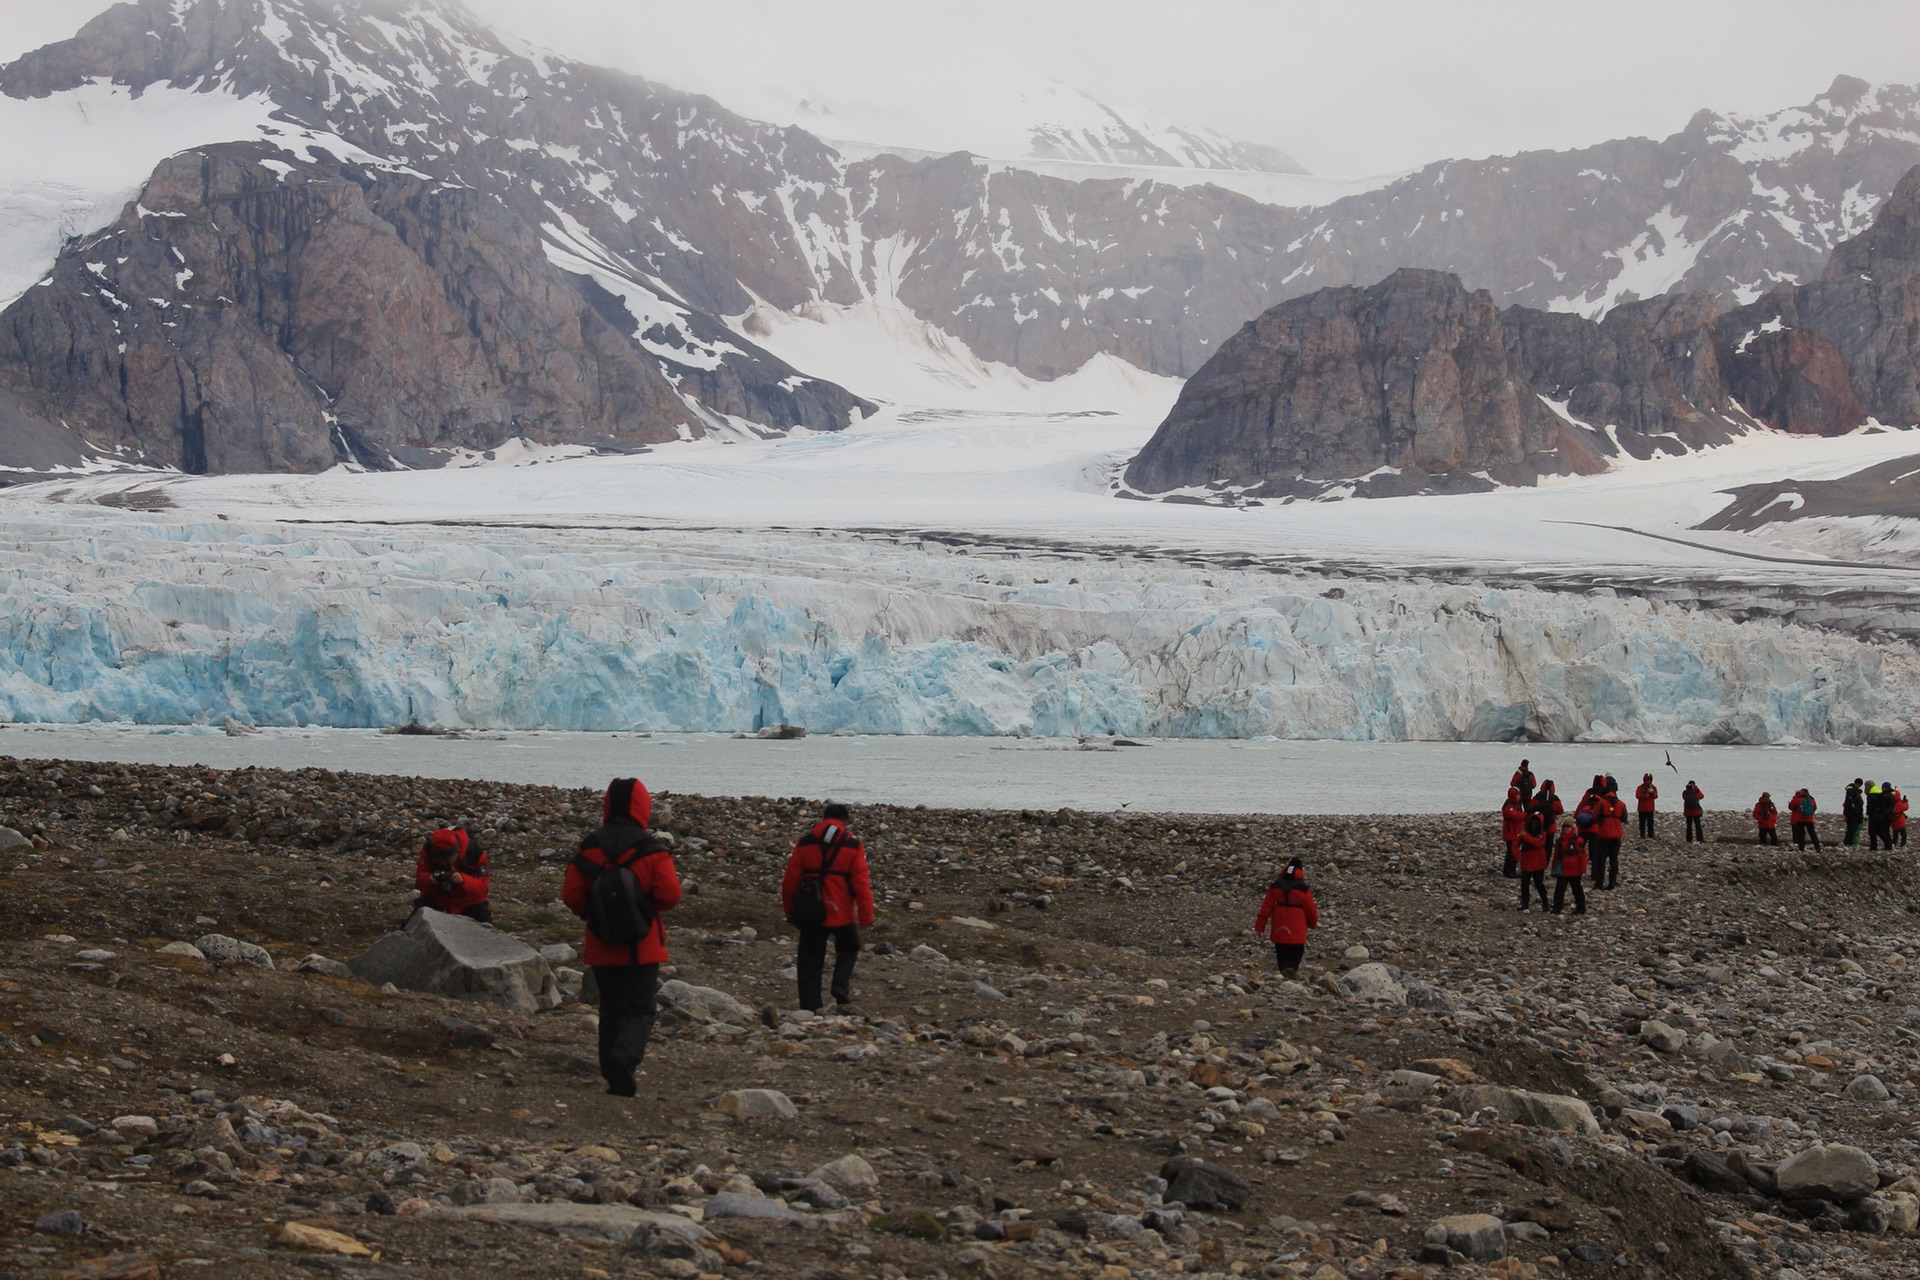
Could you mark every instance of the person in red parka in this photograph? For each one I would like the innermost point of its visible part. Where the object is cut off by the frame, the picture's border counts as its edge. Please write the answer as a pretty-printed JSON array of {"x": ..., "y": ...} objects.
[
  {"x": 451, "y": 875},
  {"x": 1512, "y": 815},
  {"x": 1766, "y": 817},
  {"x": 1800, "y": 813},
  {"x": 1691, "y": 808},
  {"x": 627, "y": 973},
  {"x": 1533, "y": 859},
  {"x": 1609, "y": 829},
  {"x": 1286, "y": 913},
  {"x": 1570, "y": 863},
  {"x": 1644, "y": 796},
  {"x": 831, "y": 853},
  {"x": 1900, "y": 818}
]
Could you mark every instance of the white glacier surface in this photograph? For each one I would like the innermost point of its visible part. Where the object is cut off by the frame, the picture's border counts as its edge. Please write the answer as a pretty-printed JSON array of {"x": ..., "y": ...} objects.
[{"x": 157, "y": 619}]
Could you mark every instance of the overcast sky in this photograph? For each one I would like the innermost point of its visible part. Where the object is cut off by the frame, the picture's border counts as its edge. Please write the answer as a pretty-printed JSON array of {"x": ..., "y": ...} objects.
[{"x": 1350, "y": 88}]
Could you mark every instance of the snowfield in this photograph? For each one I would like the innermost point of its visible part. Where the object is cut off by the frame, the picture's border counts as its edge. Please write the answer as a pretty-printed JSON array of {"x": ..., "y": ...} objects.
[{"x": 936, "y": 573}]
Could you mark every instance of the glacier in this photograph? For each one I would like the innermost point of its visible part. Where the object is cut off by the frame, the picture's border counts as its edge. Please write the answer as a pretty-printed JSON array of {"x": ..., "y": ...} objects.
[{"x": 156, "y": 619}]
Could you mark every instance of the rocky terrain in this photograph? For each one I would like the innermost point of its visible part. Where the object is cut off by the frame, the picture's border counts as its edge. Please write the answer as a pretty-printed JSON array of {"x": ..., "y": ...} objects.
[
  {"x": 1067, "y": 1057},
  {"x": 521, "y": 206},
  {"x": 1416, "y": 384}
]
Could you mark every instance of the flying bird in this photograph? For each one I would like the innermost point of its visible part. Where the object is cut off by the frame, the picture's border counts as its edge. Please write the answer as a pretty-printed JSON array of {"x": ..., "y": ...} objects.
[{"x": 1670, "y": 764}]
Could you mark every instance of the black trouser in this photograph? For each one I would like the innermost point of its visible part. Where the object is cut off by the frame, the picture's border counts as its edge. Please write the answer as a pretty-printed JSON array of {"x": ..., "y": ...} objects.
[
  {"x": 1694, "y": 830},
  {"x": 1646, "y": 826},
  {"x": 1769, "y": 835},
  {"x": 478, "y": 911},
  {"x": 1512, "y": 868},
  {"x": 1533, "y": 880},
  {"x": 1560, "y": 894},
  {"x": 1606, "y": 862},
  {"x": 1900, "y": 836},
  {"x": 627, "y": 1011},
  {"x": 1803, "y": 832},
  {"x": 812, "y": 959},
  {"x": 1288, "y": 955},
  {"x": 1879, "y": 834}
]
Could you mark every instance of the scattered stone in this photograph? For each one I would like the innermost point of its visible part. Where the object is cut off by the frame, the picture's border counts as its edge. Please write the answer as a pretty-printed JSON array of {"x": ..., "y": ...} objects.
[
  {"x": 1867, "y": 1089},
  {"x": 62, "y": 1222},
  {"x": 11, "y": 840},
  {"x": 850, "y": 1173},
  {"x": 454, "y": 956},
  {"x": 926, "y": 955},
  {"x": 729, "y": 1204},
  {"x": 1481, "y": 1237},
  {"x": 486, "y": 1191},
  {"x": 135, "y": 1126},
  {"x": 1372, "y": 981},
  {"x": 314, "y": 962},
  {"x": 186, "y": 949},
  {"x": 985, "y": 992},
  {"x": 1199, "y": 1185},
  {"x": 1832, "y": 1171},
  {"x": 1662, "y": 1038},
  {"x": 299, "y": 1235},
  {"x": 221, "y": 949},
  {"x": 704, "y": 1004},
  {"x": 750, "y": 1104}
]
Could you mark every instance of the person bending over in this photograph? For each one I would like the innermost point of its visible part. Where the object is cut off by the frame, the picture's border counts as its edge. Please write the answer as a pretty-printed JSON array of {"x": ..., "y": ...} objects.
[{"x": 451, "y": 875}]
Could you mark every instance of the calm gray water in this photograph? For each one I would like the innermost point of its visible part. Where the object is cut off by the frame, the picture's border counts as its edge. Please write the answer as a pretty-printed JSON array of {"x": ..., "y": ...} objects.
[{"x": 1183, "y": 775}]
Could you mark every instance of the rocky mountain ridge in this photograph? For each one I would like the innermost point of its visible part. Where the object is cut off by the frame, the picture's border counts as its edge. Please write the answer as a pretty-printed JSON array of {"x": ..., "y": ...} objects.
[
  {"x": 1418, "y": 385},
  {"x": 709, "y": 230}
]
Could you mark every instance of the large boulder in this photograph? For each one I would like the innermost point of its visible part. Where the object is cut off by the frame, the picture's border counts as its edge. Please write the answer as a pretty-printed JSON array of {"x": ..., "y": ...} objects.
[
  {"x": 1199, "y": 1185},
  {"x": 703, "y": 1004},
  {"x": 1372, "y": 982},
  {"x": 221, "y": 949},
  {"x": 1519, "y": 1106},
  {"x": 454, "y": 956},
  {"x": 1832, "y": 1171},
  {"x": 1481, "y": 1237}
]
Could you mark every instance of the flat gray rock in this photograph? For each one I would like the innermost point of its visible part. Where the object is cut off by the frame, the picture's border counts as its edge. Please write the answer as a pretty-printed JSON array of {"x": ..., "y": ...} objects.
[
  {"x": 448, "y": 955},
  {"x": 221, "y": 949},
  {"x": 749, "y": 1104},
  {"x": 704, "y": 1004},
  {"x": 734, "y": 1204},
  {"x": 11, "y": 840},
  {"x": 614, "y": 1220}
]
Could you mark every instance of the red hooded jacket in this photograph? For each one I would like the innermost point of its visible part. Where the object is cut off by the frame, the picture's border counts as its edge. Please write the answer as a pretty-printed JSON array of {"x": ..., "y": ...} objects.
[
  {"x": 846, "y": 886},
  {"x": 1766, "y": 814},
  {"x": 1609, "y": 814},
  {"x": 1899, "y": 811},
  {"x": 627, "y": 809},
  {"x": 1532, "y": 850},
  {"x": 1573, "y": 854},
  {"x": 1512, "y": 816},
  {"x": 1289, "y": 905},
  {"x": 459, "y": 854},
  {"x": 1646, "y": 793}
]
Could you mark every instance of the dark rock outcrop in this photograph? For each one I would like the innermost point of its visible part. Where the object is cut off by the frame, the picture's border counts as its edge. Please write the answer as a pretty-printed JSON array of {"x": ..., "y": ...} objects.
[
  {"x": 1408, "y": 385},
  {"x": 1824, "y": 357},
  {"x": 1416, "y": 384}
]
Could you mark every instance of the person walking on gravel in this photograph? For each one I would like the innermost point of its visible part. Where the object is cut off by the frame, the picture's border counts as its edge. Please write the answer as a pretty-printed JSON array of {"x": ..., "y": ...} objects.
[
  {"x": 1766, "y": 819},
  {"x": 1569, "y": 865},
  {"x": 1800, "y": 812},
  {"x": 827, "y": 893},
  {"x": 1644, "y": 797},
  {"x": 1522, "y": 781},
  {"x": 1513, "y": 814},
  {"x": 1853, "y": 808},
  {"x": 1286, "y": 913},
  {"x": 1692, "y": 811},
  {"x": 622, "y": 882},
  {"x": 1534, "y": 838}
]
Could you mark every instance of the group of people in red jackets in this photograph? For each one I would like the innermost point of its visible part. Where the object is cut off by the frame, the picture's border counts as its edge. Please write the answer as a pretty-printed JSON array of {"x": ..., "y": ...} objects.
[
  {"x": 1590, "y": 838},
  {"x": 622, "y": 882}
]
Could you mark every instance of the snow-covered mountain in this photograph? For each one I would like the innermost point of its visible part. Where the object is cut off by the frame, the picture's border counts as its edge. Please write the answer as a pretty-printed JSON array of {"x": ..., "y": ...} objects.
[
  {"x": 633, "y": 264},
  {"x": 1040, "y": 119}
]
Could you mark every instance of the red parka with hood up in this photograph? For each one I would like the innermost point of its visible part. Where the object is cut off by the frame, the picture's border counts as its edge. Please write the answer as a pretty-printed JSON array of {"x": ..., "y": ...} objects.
[
  {"x": 1290, "y": 908},
  {"x": 624, "y": 838},
  {"x": 455, "y": 850}
]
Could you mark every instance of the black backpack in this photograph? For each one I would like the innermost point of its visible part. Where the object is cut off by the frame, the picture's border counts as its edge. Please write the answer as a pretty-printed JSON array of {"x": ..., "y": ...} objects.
[
  {"x": 810, "y": 897},
  {"x": 618, "y": 910}
]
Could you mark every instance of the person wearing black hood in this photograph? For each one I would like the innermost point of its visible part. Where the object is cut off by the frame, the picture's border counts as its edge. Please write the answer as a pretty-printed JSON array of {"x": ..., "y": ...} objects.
[
  {"x": 1854, "y": 809},
  {"x": 1290, "y": 908},
  {"x": 1523, "y": 782},
  {"x": 1879, "y": 816}
]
